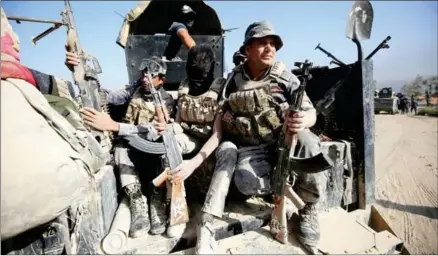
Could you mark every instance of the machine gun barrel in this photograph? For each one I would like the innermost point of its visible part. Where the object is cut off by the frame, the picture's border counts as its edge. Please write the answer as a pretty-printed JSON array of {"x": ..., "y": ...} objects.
[
  {"x": 336, "y": 60},
  {"x": 19, "y": 19},
  {"x": 56, "y": 24},
  {"x": 383, "y": 45}
]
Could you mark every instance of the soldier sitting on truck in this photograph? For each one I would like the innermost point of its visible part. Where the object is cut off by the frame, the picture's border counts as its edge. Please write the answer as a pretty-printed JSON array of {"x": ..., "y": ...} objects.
[
  {"x": 139, "y": 117},
  {"x": 243, "y": 155},
  {"x": 198, "y": 95},
  {"x": 200, "y": 88},
  {"x": 179, "y": 32}
]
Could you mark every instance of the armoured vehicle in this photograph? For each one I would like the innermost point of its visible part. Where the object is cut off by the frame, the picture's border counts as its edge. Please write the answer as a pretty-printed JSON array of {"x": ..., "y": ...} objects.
[
  {"x": 345, "y": 125},
  {"x": 385, "y": 100}
]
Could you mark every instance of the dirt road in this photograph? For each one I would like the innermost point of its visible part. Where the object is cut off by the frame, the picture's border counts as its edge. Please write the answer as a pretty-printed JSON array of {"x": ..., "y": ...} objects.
[{"x": 407, "y": 179}]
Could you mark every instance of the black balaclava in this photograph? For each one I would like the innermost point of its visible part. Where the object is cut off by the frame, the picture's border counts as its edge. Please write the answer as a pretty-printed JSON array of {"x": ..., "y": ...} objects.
[
  {"x": 200, "y": 68},
  {"x": 187, "y": 16}
]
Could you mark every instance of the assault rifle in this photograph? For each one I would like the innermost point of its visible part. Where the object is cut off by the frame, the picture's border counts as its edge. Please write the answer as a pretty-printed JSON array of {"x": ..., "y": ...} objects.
[
  {"x": 84, "y": 75},
  {"x": 286, "y": 163},
  {"x": 173, "y": 158}
]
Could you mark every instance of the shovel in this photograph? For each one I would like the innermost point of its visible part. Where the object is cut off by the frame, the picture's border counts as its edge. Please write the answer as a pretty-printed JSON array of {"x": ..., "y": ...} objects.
[{"x": 360, "y": 21}]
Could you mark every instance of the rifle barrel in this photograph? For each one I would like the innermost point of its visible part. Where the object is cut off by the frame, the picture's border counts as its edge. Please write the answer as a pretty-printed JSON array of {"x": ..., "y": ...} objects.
[
  {"x": 19, "y": 18},
  {"x": 380, "y": 46},
  {"x": 330, "y": 55}
]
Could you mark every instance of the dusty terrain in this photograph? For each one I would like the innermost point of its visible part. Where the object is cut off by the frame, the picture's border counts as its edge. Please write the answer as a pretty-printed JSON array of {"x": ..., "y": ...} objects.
[{"x": 407, "y": 179}]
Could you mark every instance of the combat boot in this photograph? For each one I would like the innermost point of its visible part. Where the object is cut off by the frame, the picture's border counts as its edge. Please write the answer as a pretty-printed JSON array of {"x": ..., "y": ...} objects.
[
  {"x": 309, "y": 233},
  {"x": 158, "y": 211},
  {"x": 205, "y": 242},
  {"x": 140, "y": 224}
]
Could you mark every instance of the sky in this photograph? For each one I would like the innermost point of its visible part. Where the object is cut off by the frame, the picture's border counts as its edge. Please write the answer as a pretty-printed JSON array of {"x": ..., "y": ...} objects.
[{"x": 301, "y": 24}]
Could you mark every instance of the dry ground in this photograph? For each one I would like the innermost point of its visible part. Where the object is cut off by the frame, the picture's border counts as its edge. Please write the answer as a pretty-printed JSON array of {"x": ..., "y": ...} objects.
[{"x": 407, "y": 179}]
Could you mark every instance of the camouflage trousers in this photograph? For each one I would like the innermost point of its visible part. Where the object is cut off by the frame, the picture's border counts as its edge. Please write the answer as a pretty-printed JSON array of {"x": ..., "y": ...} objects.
[
  {"x": 125, "y": 162},
  {"x": 251, "y": 168}
]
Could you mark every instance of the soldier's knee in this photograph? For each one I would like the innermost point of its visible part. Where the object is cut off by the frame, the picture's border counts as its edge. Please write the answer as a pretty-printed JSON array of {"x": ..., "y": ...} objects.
[{"x": 227, "y": 150}]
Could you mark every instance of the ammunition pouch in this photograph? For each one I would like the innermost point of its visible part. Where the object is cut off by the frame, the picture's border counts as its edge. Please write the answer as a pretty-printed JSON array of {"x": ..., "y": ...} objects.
[
  {"x": 252, "y": 130},
  {"x": 137, "y": 115},
  {"x": 198, "y": 111},
  {"x": 249, "y": 102},
  {"x": 140, "y": 110}
]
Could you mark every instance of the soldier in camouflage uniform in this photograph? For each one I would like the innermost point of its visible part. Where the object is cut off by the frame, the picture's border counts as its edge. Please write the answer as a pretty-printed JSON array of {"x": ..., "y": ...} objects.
[
  {"x": 248, "y": 126},
  {"x": 139, "y": 119}
]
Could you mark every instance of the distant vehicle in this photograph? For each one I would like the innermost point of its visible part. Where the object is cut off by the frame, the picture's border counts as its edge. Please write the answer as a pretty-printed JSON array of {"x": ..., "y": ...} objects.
[{"x": 386, "y": 101}]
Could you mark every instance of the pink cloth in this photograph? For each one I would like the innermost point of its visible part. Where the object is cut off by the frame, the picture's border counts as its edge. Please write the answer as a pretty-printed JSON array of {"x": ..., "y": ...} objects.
[{"x": 13, "y": 68}]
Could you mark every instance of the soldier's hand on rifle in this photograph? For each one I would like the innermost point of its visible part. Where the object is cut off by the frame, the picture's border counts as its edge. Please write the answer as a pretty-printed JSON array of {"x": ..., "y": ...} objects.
[
  {"x": 295, "y": 122},
  {"x": 71, "y": 58},
  {"x": 99, "y": 120},
  {"x": 183, "y": 171},
  {"x": 161, "y": 127}
]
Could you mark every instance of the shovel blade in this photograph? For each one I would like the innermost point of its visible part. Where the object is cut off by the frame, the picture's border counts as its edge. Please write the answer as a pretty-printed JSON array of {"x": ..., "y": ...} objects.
[{"x": 360, "y": 21}]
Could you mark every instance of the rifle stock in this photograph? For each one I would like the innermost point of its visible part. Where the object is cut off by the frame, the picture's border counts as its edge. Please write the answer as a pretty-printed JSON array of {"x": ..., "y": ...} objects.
[{"x": 161, "y": 178}]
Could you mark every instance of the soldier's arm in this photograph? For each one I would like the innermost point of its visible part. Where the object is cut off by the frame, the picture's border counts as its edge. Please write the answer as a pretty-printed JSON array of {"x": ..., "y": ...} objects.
[
  {"x": 120, "y": 96},
  {"x": 212, "y": 143},
  {"x": 181, "y": 31},
  {"x": 186, "y": 39}
]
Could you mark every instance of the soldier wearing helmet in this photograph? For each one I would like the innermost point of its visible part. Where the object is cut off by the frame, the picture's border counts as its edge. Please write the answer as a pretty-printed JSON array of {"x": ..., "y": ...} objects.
[
  {"x": 139, "y": 119},
  {"x": 180, "y": 31},
  {"x": 245, "y": 131}
]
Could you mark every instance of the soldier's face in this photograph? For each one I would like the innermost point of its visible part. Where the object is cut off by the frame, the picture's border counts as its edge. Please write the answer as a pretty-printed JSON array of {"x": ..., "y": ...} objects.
[
  {"x": 156, "y": 80},
  {"x": 261, "y": 51}
]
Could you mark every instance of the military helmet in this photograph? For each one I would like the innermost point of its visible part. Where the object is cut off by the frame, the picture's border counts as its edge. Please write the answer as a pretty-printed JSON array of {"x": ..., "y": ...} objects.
[
  {"x": 185, "y": 9},
  {"x": 154, "y": 65},
  {"x": 261, "y": 29}
]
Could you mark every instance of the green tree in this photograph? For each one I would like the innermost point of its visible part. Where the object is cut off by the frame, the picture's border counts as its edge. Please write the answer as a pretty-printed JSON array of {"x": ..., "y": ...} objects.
[
  {"x": 415, "y": 87},
  {"x": 432, "y": 84}
]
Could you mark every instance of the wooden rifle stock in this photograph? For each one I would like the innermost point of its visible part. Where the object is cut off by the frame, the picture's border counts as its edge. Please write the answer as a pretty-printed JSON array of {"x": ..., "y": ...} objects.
[{"x": 160, "y": 179}]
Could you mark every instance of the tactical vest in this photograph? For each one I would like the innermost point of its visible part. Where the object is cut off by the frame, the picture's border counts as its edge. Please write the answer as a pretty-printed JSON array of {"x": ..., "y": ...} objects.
[
  {"x": 141, "y": 108},
  {"x": 197, "y": 113},
  {"x": 250, "y": 115}
]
